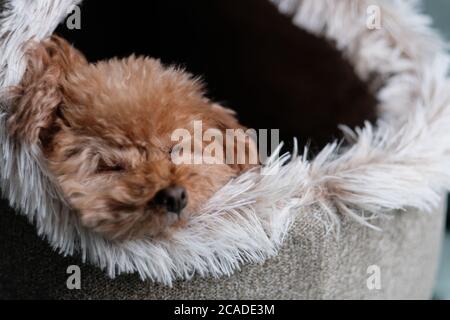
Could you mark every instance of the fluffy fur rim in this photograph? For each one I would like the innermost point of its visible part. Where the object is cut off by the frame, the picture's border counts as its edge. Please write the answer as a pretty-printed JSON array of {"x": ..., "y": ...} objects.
[{"x": 403, "y": 162}]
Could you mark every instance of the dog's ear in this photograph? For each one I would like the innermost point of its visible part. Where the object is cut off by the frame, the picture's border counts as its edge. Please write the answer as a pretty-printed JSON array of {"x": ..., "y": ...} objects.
[
  {"x": 35, "y": 101},
  {"x": 243, "y": 151}
]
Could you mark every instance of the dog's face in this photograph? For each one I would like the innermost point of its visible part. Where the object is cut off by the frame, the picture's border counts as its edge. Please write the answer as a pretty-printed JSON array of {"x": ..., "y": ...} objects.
[{"x": 106, "y": 131}]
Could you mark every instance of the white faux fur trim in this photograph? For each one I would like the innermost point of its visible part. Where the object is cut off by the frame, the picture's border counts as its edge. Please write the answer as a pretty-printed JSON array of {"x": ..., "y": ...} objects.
[
  {"x": 22, "y": 20},
  {"x": 403, "y": 162}
]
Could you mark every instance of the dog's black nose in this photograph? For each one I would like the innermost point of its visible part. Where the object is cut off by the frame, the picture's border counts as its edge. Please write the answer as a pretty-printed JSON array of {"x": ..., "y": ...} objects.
[{"x": 174, "y": 199}]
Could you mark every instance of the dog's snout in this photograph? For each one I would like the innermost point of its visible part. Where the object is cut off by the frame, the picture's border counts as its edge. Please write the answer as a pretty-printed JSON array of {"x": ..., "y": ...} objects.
[{"x": 173, "y": 199}]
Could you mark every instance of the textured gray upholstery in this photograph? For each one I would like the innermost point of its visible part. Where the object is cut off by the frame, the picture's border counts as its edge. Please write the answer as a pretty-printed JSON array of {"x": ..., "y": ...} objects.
[{"x": 311, "y": 265}]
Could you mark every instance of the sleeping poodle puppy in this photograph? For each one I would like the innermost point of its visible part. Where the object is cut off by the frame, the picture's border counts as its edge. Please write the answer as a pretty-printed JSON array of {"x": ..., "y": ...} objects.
[{"x": 105, "y": 130}]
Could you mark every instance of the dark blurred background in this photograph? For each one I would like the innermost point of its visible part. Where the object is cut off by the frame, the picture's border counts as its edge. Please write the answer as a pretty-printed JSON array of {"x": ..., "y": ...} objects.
[{"x": 439, "y": 10}]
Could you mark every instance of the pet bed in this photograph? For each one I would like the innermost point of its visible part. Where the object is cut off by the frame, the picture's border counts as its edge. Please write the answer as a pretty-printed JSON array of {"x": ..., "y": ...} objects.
[{"x": 309, "y": 228}]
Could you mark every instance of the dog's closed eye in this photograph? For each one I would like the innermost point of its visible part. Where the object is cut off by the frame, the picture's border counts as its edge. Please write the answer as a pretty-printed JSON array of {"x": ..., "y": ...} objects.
[
  {"x": 72, "y": 152},
  {"x": 109, "y": 167}
]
